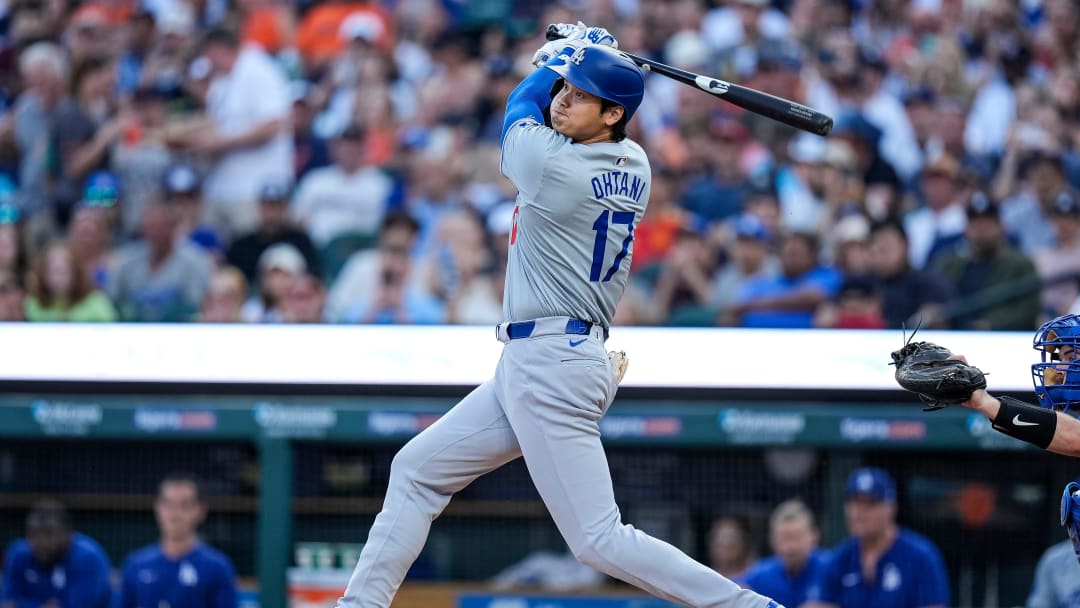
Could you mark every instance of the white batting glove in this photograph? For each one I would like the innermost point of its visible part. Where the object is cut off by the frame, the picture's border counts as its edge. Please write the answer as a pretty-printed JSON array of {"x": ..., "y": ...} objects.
[
  {"x": 574, "y": 37},
  {"x": 545, "y": 53},
  {"x": 580, "y": 31}
]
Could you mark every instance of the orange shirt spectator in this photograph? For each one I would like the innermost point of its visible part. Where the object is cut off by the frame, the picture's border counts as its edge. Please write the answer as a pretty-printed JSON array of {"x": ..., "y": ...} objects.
[{"x": 319, "y": 39}]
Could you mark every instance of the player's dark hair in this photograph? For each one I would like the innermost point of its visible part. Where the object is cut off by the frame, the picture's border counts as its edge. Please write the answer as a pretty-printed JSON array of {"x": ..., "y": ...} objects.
[
  {"x": 182, "y": 477},
  {"x": 618, "y": 130},
  {"x": 50, "y": 510}
]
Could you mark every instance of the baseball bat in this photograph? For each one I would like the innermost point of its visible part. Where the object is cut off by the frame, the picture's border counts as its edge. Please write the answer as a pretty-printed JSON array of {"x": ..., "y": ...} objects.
[{"x": 776, "y": 108}]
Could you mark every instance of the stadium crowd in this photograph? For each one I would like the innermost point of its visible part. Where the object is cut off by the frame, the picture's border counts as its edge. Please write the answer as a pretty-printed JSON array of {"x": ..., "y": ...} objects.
[{"x": 337, "y": 161}]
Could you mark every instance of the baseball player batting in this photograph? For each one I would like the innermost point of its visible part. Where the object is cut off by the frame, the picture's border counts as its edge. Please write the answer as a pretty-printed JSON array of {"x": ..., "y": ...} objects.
[{"x": 582, "y": 188}]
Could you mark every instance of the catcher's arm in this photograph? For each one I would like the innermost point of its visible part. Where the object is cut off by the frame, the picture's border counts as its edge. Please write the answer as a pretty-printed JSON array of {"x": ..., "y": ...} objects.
[{"x": 1053, "y": 431}]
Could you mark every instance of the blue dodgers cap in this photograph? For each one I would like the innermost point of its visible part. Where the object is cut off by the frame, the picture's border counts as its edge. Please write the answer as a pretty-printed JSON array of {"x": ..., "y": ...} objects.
[
  {"x": 605, "y": 72},
  {"x": 871, "y": 482}
]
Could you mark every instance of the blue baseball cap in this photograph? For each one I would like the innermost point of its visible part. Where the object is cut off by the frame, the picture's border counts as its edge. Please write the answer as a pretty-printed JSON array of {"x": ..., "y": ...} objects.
[
  {"x": 102, "y": 190},
  {"x": 871, "y": 482},
  {"x": 751, "y": 227}
]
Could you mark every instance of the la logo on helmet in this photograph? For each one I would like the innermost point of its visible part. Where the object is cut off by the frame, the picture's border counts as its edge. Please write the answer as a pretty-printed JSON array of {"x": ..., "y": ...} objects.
[{"x": 578, "y": 56}]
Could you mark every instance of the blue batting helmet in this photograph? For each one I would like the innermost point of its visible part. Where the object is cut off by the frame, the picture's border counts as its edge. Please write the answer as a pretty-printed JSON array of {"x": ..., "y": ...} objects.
[
  {"x": 607, "y": 73},
  {"x": 1057, "y": 375}
]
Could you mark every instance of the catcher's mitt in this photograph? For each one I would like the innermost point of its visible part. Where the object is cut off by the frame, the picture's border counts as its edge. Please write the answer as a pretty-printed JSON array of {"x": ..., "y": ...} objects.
[{"x": 925, "y": 368}]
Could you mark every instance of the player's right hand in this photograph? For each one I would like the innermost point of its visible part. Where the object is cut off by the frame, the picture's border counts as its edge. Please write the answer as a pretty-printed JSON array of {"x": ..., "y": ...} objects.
[{"x": 580, "y": 31}]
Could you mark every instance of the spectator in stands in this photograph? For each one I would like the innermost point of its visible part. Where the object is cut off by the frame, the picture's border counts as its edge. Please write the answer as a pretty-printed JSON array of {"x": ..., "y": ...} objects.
[
  {"x": 225, "y": 296},
  {"x": 938, "y": 226},
  {"x": 749, "y": 258},
  {"x": 850, "y": 245},
  {"x": 157, "y": 279},
  {"x": 684, "y": 288},
  {"x": 464, "y": 277},
  {"x": 12, "y": 297},
  {"x": 791, "y": 298},
  {"x": 44, "y": 70},
  {"x": 84, "y": 130},
  {"x": 879, "y": 177},
  {"x": 274, "y": 227},
  {"x": 882, "y": 563},
  {"x": 858, "y": 304},
  {"x": 659, "y": 229},
  {"x": 182, "y": 189},
  {"x": 166, "y": 66},
  {"x": 1026, "y": 212},
  {"x": 140, "y": 154},
  {"x": 179, "y": 571},
  {"x": 89, "y": 32},
  {"x": 800, "y": 185},
  {"x": 792, "y": 576},
  {"x": 730, "y": 547},
  {"x": 381, "y": 285},
  {"x": 1057, "y": 578},
  {"x": 89, "y": 240},
  {"x": 998, "y": 284},
  {"x": 304, "y": 300},
  {"x": 317, "y": 38},
  {"x": 347, "y": 197},
  {"x": 910, "y": 296},
  {"x": 278, "y": 265},
  {"x": 994, "y": 104},
  {"x": 1059, "y": 266},
  {"x": 137, "y": 47},
  {"x": 60, "y": 289},
  {"x": 55, "y": 566},
  {"x": 719, "y": 190},
  {"x": 248, "y": 104}
]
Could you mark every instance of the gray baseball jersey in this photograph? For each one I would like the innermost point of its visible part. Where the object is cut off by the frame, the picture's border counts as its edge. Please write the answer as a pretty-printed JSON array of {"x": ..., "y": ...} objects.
[{"x": 573, "y": 232}]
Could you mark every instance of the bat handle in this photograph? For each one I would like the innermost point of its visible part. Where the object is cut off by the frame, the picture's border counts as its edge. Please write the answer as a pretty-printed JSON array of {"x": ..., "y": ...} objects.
[{"x": 553, "y": 33}]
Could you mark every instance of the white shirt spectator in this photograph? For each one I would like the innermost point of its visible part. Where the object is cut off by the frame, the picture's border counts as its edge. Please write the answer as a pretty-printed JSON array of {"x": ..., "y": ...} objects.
[
  {"x": 254, "y": 92},
  {"x": 330, "y": 202},
  {"x": 898, "y": 145},
  {"x": 992, "y": 113}
]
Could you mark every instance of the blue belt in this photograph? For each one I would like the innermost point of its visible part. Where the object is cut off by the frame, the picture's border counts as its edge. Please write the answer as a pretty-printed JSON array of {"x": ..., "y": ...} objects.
[{"x": 525, "y": 329}]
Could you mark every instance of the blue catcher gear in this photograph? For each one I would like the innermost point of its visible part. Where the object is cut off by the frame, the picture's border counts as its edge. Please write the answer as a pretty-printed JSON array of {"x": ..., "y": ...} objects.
[
  {"x": 605, "y": 72},
  {"x": 1057, "y": 376},
  {"x": 1070, "y": 514}
]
